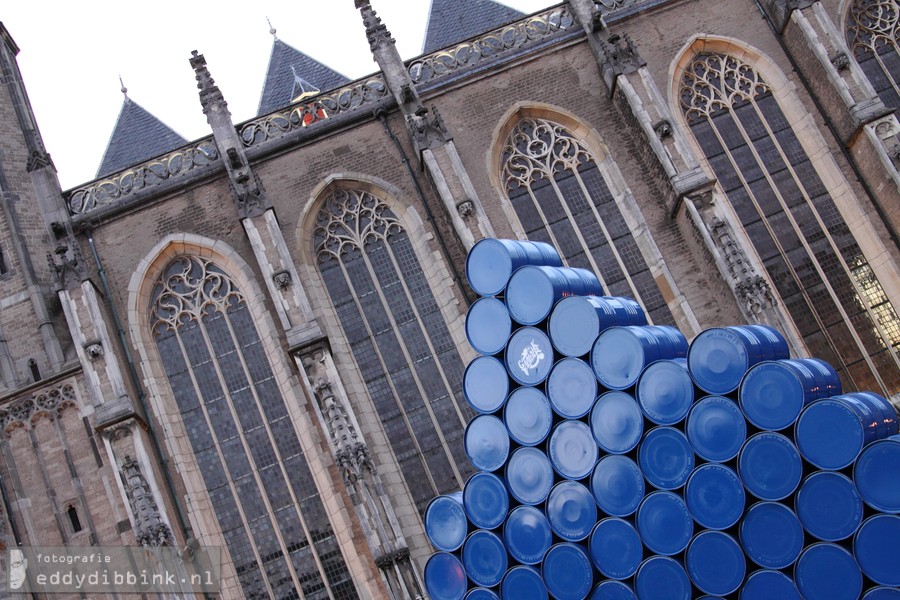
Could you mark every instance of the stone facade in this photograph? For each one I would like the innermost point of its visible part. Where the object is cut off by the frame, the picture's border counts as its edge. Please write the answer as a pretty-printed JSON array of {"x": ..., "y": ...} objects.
[{"x": 291, "y": 293}]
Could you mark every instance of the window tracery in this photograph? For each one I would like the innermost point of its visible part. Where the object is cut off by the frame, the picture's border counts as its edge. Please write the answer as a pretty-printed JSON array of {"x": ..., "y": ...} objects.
[{"x": 872, "y": 27}]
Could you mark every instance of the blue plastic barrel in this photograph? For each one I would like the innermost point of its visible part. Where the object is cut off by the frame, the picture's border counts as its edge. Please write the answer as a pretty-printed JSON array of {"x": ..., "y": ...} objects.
[
  {"x": 880, "y": 492},
  {"x": 481, "y": 593},
  {"x": 882, "y": 593},
  {"x": 529, "y": 475},
  {"x": 485, "y": 384},
  {"x": 445, "y": 577},
  {"x": 773, "y": 393},
  {"x": 618, "y": 485},
  {"x": 662, "y": 577},
  {"x": 487, "y": 442},
  {"x": 665, "y": 391},
  {"x": 716, "y": 428},
  {"x": 571, "y": 388},
  {"x": 532, "y": 291},
  {"x": 445, "y": 522},
  {"x": 523, "y": 583},
  {"x": 826, "y": 571},
  {"x": 613, "y": 590},
  {"x": 529, "y": 356},
  {"x": 766, "y": 585},
  {"x": 576, "y": 321},
  {"x": 770, "y": 466},
  {"x": 828, "y": 377},
  {"x": 715, "y": 563},
  {"x": 488, "y": 325},
  {"x": 715, "y": 496},
  {"x": 485, "y": 500},
  {"x": 831, "y": 432},
  {"x": 616, "y": 548},
  {"x": 567, "y": 571},
  {"x": 528, "y": 416},
  {"x": 572, "y": 450},
  {"x": 571, "y": 511},
  {"x": 620, "y": 354},
  {"x": 720, "y": 357},
  {"x": 617, "y": 422},
  {"x": 882, "y": 407},
  {"x": 484, "y": 558},
  {"x": 828, "y": 506},
  {"x": 527, "y": 534},
  {"x": 491, "y": 262},
  {"x": 666, "y": 458},
  {"x": 664, "y": 523},
  {"x": 877, "y": 549},
  {"x": 771, "y": 535}
]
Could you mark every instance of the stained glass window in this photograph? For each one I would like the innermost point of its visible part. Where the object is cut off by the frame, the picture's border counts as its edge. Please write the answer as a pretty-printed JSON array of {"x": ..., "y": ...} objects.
[{"x": 872, "y": 39}]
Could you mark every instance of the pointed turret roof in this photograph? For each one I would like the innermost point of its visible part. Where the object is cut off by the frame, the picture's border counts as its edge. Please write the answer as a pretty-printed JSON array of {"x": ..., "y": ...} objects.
[
  {"x": 137, "y": 136},
  {"x": 291, "y": 71},
  {"x": 451, "y": 21}
]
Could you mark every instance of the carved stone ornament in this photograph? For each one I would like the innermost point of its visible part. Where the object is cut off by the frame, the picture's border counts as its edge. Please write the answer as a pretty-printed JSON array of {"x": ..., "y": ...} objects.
[
  {"x": 150, "y": 529},
  {"x": 376, "y": 31},
  {"x": 66, "y": 265},
  {"x": 45, "y": 403},
  {"x": 663, "y": 129},
  {"x": 466, "y": 208},
  {"x": 885, "y": 128},
  {"x": 428, "y": 129},
  {"x": 282, "y": 279},
  {"x": 840, "y": 61},
  {"x": 621, "y": 55},
  {"x": 210, "y": 94},
  {"x": 94, "y": 349}
]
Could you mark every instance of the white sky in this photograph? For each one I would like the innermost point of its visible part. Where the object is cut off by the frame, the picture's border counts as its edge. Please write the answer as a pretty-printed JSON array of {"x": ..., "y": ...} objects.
[{"x": 72, "y": 54}]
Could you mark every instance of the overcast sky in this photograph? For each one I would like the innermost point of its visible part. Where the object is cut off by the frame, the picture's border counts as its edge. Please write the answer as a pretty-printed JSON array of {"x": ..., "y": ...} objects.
[{"x": 72, "y": 54}]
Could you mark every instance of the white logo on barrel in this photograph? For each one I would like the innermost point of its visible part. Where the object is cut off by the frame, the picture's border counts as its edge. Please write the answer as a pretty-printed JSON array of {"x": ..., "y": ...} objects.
[{"x": 531, "y": 357}]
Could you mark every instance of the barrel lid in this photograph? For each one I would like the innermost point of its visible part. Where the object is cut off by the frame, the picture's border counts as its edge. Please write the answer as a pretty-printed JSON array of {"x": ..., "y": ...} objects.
[
  {"x": 829, "y": 434},
  {"x": 568, "y": 573},
  {"x": 715, "y": 563},
  {"x": 772, "y": 395},
  {"x": 771, "y": 535},
  {"x": 877, "y": 546},
  {"x": 880, "y": 492},
  {"x": 617, "y": 485},
  {"x": 571, "y": 388},
  {"x": 487, "y": 442},
  {"x": 527, "y": 534},
  {"x": 718, "y": 359},
  {"x": 574, "y": 325},
  {"x": 765, "y": 585},
  {"x": 665, "y": 391},
  {"x": 523, "y": 583},
  {"x": 664, "y": 523},
  {"x": 828, "y": 506},
  {"x": 571, "y": 511},
  {"x": 481, "y": 593},
  {"x": 572, "y": 449},
  {"x": 770, "y": 466},
  {"x": 485, "y": 500},
  {"x": 529, "y": 475},
  {"x": 825, "y": 571},
  {"x": 529, "y": 356},
  {"x": 716, "y": 428},
  {"x": 617, "y": 422},
  {"x": 488, "y": 325},
  {"x": 882, "y": 593},
  {"x": 714, "y": 496},
  {"x": 485, "y": 384},
  {"x": 445, "y": 522},
  {"x": 528, "y": 416},
  {"x": 445, "y": 577},
  {"x": 620, "y": 354},
  {"x": 613, "y": 590},
  {"x": 616, "y": 548},
  {"x": 666, "y": 458},
  {"x": 484, "y": 558},
  {"x": 488, "y": 266},
  {"x": 662, "y": 577}
]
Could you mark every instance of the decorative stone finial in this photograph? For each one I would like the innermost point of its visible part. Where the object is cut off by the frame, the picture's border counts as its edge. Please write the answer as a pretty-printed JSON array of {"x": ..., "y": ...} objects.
[
  {"x": 209, "y": 92},
  {"x": 272, "y": 30},
  {"x": 123, "y": 89},
  {"x": 376, "y": 31}
]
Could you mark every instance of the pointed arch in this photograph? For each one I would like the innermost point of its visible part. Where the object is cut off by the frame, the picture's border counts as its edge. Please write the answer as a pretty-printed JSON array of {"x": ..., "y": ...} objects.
[
  {"x": 787, "y": 196},
  {"x": 390, "y": 302},
  {"x": 559, "y": 184},
  {"x": 871, "y": 28},
  {"x": 222, "y": 391}
]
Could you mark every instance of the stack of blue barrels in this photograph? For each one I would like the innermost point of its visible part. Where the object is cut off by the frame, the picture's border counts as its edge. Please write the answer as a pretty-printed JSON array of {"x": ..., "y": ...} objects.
[{"x": 617, "y": 461}]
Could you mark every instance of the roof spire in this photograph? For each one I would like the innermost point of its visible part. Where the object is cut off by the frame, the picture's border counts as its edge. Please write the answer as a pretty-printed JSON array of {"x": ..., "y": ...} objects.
[
  {"x": 272, "y": 30},
  {"x": 376, "y": 31},
  {"x": 123, "y": 89}
]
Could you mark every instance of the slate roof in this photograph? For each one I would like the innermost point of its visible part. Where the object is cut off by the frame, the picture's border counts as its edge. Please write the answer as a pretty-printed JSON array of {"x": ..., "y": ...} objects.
[
  {"x": 289, "y": 71},
  {"x": 137, "y": 136},
  {"x": 452, "y": 21}
]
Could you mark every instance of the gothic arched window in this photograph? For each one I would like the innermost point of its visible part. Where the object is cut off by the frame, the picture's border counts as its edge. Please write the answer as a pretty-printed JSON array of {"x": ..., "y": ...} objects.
[
  {"x": 872, "y": 38},
  {"x": 269, "y": 511},
  {"x": 398, "y": 336},
  {"x": 561, "y": 197},
  {"x": 811, "y": 256}
]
